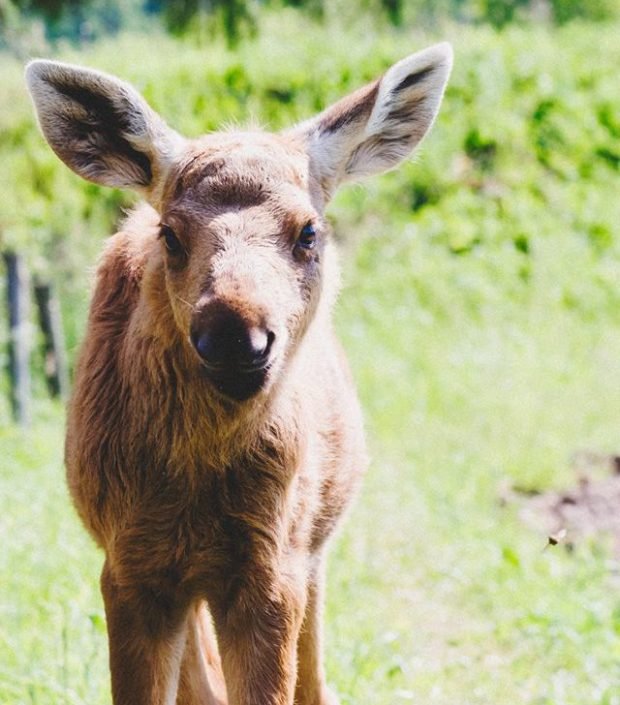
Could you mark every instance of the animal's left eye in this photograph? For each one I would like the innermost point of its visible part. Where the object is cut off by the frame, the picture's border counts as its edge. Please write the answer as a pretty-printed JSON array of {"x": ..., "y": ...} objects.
[{"x": 307, "y": 237}]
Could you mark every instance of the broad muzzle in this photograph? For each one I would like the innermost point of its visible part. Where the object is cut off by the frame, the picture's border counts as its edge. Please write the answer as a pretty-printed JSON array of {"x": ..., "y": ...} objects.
[{"x": 235, "y": 351}]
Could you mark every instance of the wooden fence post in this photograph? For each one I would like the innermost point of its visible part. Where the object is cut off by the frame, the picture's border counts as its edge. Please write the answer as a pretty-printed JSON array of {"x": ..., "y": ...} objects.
[
  {"x": 55, "y": 363},
  {"x": 18, "y": 299}
]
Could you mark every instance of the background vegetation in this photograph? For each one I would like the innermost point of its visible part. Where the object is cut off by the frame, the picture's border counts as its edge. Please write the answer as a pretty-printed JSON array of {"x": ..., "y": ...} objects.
[
  {"x": 88, "y": 19},
  {"x": 481, "y": 311}
]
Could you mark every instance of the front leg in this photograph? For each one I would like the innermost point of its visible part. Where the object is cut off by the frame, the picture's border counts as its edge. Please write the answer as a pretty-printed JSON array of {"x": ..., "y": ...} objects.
[
  {"x": 311, "y": 688},
  {"x": 146, "y": 634},
  {"x": 257, "y": 636}
]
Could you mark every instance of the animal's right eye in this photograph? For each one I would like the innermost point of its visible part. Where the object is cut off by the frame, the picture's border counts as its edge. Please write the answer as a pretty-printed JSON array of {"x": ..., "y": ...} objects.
[
  {"x": 173, "y": 245},
  {"x": 307, "y": 237}
]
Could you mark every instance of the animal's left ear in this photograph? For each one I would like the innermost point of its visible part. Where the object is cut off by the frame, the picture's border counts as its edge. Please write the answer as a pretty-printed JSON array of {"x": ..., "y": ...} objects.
[{"x": 375, "y": 128}]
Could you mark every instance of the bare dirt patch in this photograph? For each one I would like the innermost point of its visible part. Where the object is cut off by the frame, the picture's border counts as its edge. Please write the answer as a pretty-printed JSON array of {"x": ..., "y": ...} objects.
[{"x": 588, "y": 509}]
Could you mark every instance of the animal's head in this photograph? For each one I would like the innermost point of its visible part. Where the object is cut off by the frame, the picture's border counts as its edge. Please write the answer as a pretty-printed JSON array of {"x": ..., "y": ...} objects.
[{"x": 242, "y": 237}]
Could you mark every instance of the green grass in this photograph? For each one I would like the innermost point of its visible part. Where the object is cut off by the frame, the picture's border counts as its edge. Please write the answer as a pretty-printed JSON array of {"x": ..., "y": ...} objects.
[
  {"x": 51, "y": 619},
  {"x": 437, "y": 593},
  {"x": 481, "y": 313},
  {"x": 453, "y": 599}
]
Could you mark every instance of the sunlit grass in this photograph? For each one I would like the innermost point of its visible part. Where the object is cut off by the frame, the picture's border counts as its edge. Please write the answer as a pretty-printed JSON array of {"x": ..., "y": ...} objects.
[
  {"x": 51, "y": 640},
  {"x": 453, "y": 598},
  {"x": 437, "y": 593}
]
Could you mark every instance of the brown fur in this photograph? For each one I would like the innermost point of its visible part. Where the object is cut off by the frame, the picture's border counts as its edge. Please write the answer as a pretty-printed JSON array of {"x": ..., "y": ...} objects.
[
  {"x": 214, "y": 513},
  {"x": 193, "y": 500}
]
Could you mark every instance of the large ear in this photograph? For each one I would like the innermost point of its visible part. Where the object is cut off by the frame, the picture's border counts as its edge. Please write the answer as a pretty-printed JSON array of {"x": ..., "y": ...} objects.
[
  {"x": 101, "y": 127},
  {"x": 376, "y": 127}
]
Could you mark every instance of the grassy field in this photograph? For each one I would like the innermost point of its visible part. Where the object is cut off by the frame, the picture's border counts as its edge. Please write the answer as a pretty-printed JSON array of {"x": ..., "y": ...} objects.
[{"x": 481, "y": 312}]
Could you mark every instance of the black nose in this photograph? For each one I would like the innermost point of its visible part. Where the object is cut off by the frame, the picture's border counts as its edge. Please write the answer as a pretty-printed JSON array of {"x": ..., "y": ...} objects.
[{"x": 225, "y": 341}]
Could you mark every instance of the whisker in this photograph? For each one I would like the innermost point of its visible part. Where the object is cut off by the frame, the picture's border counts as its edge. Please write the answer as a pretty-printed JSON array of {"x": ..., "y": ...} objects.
[{"x": 187, "y": 303}]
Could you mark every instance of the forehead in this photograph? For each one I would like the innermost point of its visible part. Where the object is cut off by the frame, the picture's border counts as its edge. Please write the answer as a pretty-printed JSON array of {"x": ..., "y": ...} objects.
[{"x": 241, "y": 170}]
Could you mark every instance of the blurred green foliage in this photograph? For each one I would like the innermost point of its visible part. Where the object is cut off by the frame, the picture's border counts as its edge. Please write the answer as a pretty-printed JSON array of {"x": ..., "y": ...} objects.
[
  {"x": 87, "y": 19},
  {"x": 526, "y": 152}
]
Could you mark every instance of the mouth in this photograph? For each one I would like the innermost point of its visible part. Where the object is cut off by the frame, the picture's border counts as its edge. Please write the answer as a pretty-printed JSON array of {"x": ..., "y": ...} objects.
[{"x": 238, "y": 383}]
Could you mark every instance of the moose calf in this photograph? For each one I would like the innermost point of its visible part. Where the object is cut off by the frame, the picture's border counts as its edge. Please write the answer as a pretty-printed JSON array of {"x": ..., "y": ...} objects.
[{"x": 214, "y": 437}]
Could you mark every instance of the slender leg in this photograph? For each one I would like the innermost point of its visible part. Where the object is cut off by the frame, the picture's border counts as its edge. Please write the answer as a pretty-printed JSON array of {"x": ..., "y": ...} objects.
[
  {"x": 311, "y": 688},
  {"x": 146, "y": 635},
  {"x": 202, "y": 680},
  {"x": 257, "y": 635}
]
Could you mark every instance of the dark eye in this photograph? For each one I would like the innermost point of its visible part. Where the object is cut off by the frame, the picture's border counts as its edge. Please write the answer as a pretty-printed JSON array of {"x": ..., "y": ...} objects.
[
  {"x": 171, "y": 241},
  {"x": 307, "y": 237}
]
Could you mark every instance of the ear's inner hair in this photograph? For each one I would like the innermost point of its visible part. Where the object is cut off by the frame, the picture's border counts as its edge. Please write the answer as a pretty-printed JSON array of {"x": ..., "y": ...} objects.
[{"x": 104, "y": 120}]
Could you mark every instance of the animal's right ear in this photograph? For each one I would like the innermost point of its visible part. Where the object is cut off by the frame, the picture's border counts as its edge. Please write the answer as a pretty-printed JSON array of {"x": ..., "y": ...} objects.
[{"x": 101, "y": 127}]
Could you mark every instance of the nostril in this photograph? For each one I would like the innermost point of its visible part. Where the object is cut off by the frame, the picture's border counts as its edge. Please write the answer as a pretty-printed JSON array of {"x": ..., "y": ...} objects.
[
  {"x": 260, "y": 342},
  {"x": 257, "y": 342},
  {"x": 203, "y": 343},
  {"x": 271, "y": 336}
]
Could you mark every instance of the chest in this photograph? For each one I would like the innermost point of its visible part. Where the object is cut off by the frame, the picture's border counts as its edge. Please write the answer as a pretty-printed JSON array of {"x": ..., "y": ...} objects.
[{"x": 205, "y": 537}]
